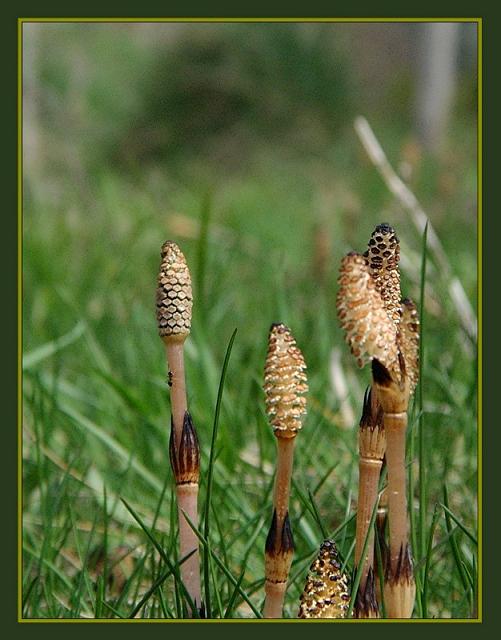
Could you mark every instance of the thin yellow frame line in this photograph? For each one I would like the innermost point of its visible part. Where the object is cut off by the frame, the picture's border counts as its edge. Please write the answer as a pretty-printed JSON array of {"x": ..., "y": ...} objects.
[
  {"x": 19, "y": 309},
  {"x": 249, "y": 19}
]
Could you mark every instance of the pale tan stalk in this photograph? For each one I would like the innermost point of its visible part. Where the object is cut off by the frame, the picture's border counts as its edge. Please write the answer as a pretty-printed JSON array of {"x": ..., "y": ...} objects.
[
  {"x": 279, "y": 544},
  {"x": 372, "y": 445},
  {"x": 367, "y": 497},
  {"x": 174, "y": 305},
  {"x": 285, "y": 384},
  {"x": 399, "y": 589},
  {"x": 395, "y": 425},
  {"x": 285, "y": 461},
  {"x": 174, "y": 349}
]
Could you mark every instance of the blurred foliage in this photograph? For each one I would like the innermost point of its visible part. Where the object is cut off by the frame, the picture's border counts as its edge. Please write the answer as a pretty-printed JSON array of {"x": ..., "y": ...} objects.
[{"x": 244, "y": 85}]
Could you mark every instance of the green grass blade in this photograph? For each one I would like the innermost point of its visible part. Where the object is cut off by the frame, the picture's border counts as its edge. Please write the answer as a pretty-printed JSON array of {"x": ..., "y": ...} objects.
[
  {"x": 456, "y": 553},
  {"x": 317, "y": 514},
  {"x": 426, "y": 572},
  {"x": 174, "y": 568},
  {"x": 210, "y": 473},
  {"x": 233, "y": 596},
  {"x": 47, "y": 350},
  {"x": 460, "y": 524},
  {"x": 222, "y": 566},
  {"x": 421, "y": 444},
  {"x": 90, "y": 427}
]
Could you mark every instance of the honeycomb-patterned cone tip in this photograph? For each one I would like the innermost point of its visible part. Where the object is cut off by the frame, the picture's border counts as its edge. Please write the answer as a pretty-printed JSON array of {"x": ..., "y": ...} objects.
[
  {"x": 285, "y": 382},
  {"x": 362, "y": 314},
  {"x": 327, "y": 592},
  {"x": 174, "y": 295},
  {"x": 409, "y": 341},
  {"x": 383, "y": 256}
]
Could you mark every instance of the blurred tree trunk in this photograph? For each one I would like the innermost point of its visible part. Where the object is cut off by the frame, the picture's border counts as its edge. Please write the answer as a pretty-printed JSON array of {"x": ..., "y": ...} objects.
[{"x": 438, "y": 52}]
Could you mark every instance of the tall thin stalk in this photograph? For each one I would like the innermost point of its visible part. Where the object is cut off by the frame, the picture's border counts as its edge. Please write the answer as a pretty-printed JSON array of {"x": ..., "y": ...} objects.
[
  {"x": 372, "y": 444},
  {"x": 284, "y": 386},
  {"x": 174, "y": 305}
]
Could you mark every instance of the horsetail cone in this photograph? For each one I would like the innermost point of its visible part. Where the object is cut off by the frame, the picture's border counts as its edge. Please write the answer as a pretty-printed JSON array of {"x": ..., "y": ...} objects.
[
  {"x": 362, "y": 314},
  {"x": 327, "y": 590},
  {"x": 383, "y": 256},
  {"x": 409, "y": 341},
  {"x": 284, "y": 382},
  {"x": 174, "y": 295}
]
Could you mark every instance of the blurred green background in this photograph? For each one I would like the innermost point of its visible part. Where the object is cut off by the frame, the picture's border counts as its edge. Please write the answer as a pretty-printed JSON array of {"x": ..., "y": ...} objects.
[{"x": 237, "y": 142}]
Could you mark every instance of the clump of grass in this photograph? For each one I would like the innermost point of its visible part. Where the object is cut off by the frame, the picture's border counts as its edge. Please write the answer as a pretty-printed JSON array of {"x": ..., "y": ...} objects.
[
  {"x": 174, "y": 307},
  {"x": 285, "y": 386}
]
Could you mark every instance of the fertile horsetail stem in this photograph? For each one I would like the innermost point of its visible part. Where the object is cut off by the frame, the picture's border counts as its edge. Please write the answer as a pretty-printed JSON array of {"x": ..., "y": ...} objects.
[
  {"x": 285, "y": 384},
  {"x": 394, "y": 385},
  {"x": 326, "y": 593},
  {"x": 382, "y": 329},
  {"x": 174, "y": 302}
]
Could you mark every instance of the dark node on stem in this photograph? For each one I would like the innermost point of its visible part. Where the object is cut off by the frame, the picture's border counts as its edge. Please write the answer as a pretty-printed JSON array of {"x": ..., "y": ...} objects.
[
  {"x": 279, "y": 543},
  {"x": 287, "y": 542},
  {"x": 189, "y": 452},
  {"x": 372, "y": 415},
  {"x": 201, "y": 611},
  {"x": 403, "y": 572},
  {"x": 380, "y": 373},
  {"x": 185, "y": 462},
  {"x": 172, "y": 449},
  {"x": 269, "y": 546},
  {"x": 366, "y": 602}
]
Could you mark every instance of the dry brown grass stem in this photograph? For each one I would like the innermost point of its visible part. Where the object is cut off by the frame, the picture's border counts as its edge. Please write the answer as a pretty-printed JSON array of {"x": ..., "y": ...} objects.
[{"x": 409, "y": 201}]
